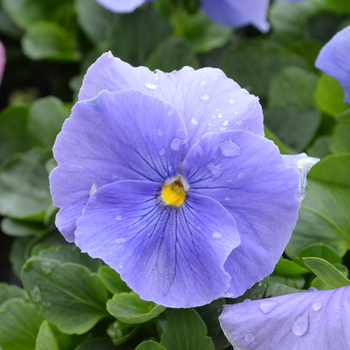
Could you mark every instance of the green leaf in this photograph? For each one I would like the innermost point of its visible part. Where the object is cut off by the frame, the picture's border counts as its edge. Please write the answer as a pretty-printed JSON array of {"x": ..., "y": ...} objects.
[
  {"x": 46, "y": 339},
  {"x": 341, "y": 138},
  {"x": 69, "y": 295},
  {"x": 292, "y": 115},
  {"x": 277, "y": 289},
  {"x": 95, "y": 19},
  {"x": 19, "y": 325},
  {"x": 121, "y": 332},
  {"x": 46, "y": 116},
  {"x": 204, "y": 34},
  {"x": 18, "y": 254},
  {"x": 129, "y": 308},
  {"x": 333, "y": 169},
  {"x": 47, "y": 40},
  {"x": 20, "y": 228},
  {"x": 323, "y": 218},
  {"x": 343, "y": 117},
  {"x": 240, "y": 63},
  {"x": 288, "y": 267},
  {"x": 319, "y": 284},
  {"x": 99, "y": 344},
  {"x": 26, "y": 12},
  {"x": 296, "y": 282},
  {"x": 150, "y": 345},
  {"x": 307, "y": 49},
  {"x": 9, "y": 292},
  {"x": 321, "y": 147},
  {"x": 284, "y": 149},
  {"x": 172, "y": 54},
  {"x": 112, "y": 281},
  {"x": 338, "y": 6},
  {"x": 70, "y": 253},
  {"x": 326, "y": 272},
  {"x": 134, "y": 28},
  {"x": 186, "y": 331},
  {"x": 330, "y": 95},
  {"x": 24, "y": 186},
  {"x": 13, "y": 133}
]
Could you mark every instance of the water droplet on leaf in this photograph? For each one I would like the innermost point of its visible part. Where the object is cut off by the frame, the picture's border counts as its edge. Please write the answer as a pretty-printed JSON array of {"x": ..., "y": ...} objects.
[
  {"x": 301, "y": 325},
  {"x": 268, "y": 306},
  {"x": 35, "y": 294}
]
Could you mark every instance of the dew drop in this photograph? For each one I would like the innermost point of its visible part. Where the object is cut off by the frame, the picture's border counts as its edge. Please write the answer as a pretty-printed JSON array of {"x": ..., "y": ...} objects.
[
  {"x": 47, "y": 304},
  {"x": 194, "y": 121},
  {"x": 317, "y": 306},
  {"x": 227, "y": 199},
  {"x": 229, "y": 149},
  {"x": 236, "y": 112},
  {"x": 239, "y": 122},
  {"x": 46, "y": 267},
  {"x": 247, "y": 300},
  {"x": 301, "y": 325},
  {"x": 203, "y": 83},
  {"x": 268, "y": 306},
  {"x": 80, "y": 166},
  {"x": 120, "y": 266},
  {"x": 119, "y": 240},
  {"x": 215, "y": 170},
  {"x": 161, "y": 152},
  {"x": 225, "y": 123},
  {"x": 150, "y": 85},
  {"x": 216, "y": 235},
  {"x": 175, "y": 144},
  {"x": 232, "y": 102},
  {"x": 159, "y": 132},
  {"x": 35, "y": 294},
  {"x": 239, "y": 176},
  {"x": 93, "y": 189},
  {"x": 204, "y": 97},
  {"x": 118, "y": 217},
  {"x": 220, "y": 115},
  {"x": 199, "y": 227},
  {"x": 249, "y": 337},
  {"x": 222, "y": 128},
  {"x": 171, "y": 112},
  {"x": 312, "y": 289},
  {"x": 239, "y": 315}
]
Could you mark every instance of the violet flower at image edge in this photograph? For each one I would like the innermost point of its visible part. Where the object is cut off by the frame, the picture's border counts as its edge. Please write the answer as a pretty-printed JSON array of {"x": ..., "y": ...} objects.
[{"x": 159, "y": 177}]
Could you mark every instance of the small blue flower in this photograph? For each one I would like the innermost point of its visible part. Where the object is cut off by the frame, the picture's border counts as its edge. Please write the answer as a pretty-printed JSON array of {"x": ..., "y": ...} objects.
[
  {"x": 233, "y": 13},
  {"x": 301, "y": 321},
  {"x": 167, "y": 177},
  {"x": 333, "y": 59}
]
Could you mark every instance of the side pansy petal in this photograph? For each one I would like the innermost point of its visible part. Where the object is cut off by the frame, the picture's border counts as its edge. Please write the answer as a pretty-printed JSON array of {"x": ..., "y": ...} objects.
[
  {"x": 116, "y": 136},
  {"x": 237, "y": 13},
  {"x": 307, "y": 321},
  {"x": 206, "y": 99},
  {"x": 2, "y": 60},
  {"x": 249, "y": 177},
  {"x": 121, "y": 5},
  {"x": 171, "y": 255},
  {"x": 333, "y": 59}
]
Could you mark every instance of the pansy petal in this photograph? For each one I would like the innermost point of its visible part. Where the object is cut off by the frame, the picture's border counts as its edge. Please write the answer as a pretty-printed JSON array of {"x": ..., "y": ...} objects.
[
  {"x": 205, "y": 98},
  {"x": 171, "y": 255},
  {"x": 2, "y": 60},
  {"x": 248, "y": 176},
  {"x": 333, "y": 59},
  {"x": 116, "y": 136},
  {"x": 238, "y": 13},
  {"x": 121, "y": 5},
  {"x": 301, "y": 321}
]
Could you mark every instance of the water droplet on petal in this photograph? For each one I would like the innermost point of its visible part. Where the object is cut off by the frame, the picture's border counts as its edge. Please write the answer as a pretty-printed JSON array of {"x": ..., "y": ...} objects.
[
  {"x": 35, "y": 294},
  {"x": 249, "y": 337},
  {"x": 161, "y": 152},
  {"x": 247, "y": 300},
  {"x": 239, "y": 315},
  {"x": 120, "y": 266},
  {"x": 317, "y": 306},
  {"x": 204, "y": 97},
  {"x": 159, "y": 132},
  {"x": 203, "y": 83},
  {"x": 239, "y": 176},
  {"x": 194, "y": 121},
  {"x": 118, "y": 217},
  {"x": 171, "y": 112},
  {"x": 220, "y": 115},
  {"x": 301, "y": 325},
  {"x": 175, "y": 144},
  {"x": 225, "y": 122},
  {"x": 312, "y": 289},
  {"x": 93, "y": 189},
  {"x": 216, "y": 235},
  {"x": 227, "y": 199},
  {"x": 239, "y": 122},
  {"x": 151, "y": 85},
  {"x": 232, "y": 102},
  {"x": 229, "y": 149},
  {"x": 119, "y": 240},
  {"x": 268, "y": 306},
  {"x": 215, "y": 170}
]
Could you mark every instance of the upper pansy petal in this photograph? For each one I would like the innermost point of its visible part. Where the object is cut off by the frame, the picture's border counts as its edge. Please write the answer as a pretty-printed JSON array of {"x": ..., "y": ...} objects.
[
  {"x": 237, "y": 13},
  {"x": 116, "y": 136},
  {"x": 2, "y": 60},
  {"x": 121, "y": 5},
  {"x": 171, "y": 255},
  {"x": 307, "y": 321},
  {"x": 333, "y": 59},
  {"x": 206, "y": 99},
  {"x": 248, "y": 176}
]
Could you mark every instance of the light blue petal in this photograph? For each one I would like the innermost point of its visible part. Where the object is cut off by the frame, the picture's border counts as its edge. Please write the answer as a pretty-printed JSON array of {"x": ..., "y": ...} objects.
[{"x": 121, "y": 5}]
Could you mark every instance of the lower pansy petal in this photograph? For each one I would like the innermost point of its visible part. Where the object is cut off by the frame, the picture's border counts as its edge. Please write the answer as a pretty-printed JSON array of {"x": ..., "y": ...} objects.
[
  {"x": 116, "y": 136},
  {"x": 248, "y": 176},
  {"x": 172, "y": 255},
  {"x": 238, "y": 13},
  {"x": 206, "y": 99},
  {"x": 301, "y": 321}
]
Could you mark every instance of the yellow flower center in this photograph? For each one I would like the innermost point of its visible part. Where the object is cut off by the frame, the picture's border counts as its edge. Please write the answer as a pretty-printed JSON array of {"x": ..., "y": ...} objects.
[{"x": 174, "y": 193}]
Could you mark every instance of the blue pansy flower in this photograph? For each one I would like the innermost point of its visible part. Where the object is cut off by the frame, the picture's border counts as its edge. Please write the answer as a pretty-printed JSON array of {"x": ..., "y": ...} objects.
[
  {"x": 233, "y": 13},
  {"x": 301, "y": 321},
  {"x": 333, "y": 59},
  {"x": 168, "y": 178}
]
